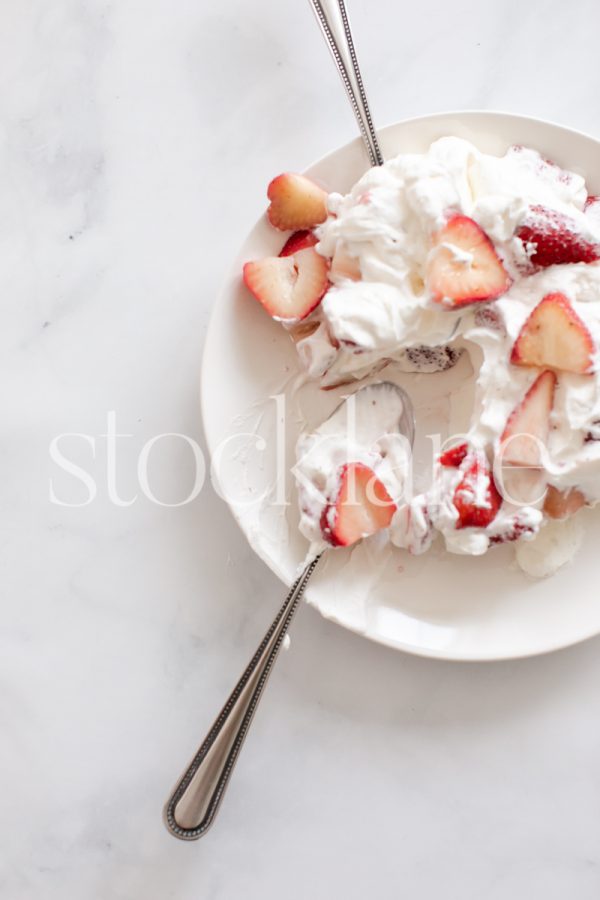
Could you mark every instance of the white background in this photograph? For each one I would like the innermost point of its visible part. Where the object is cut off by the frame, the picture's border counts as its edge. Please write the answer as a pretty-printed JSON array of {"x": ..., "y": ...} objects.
[{"x": 136, "y": 142}]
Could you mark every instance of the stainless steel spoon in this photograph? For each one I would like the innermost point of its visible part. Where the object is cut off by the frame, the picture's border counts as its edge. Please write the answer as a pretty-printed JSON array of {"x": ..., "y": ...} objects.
[
  {"x": 335, "y": 25},
  {"x": 193, "y": 805}
]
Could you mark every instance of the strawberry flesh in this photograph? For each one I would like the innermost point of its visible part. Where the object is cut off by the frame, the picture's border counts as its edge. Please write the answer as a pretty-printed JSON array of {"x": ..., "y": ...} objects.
[
  {"x": 288, "y": 287},
  {"x": 362, "y": 507},
  {"x": 463, "y": 266},
  {"x": 453, "y": 457},
  {"x": 562, "y": 504},
  {"x": 555, "y": 337},
  {"x": 299, "y": 240},
  {"x": 296, "y": 202},
  {"x": 528, "y": 425},
  {"x": 551, "y": 238},
  {"x": 476, "y": 498}
]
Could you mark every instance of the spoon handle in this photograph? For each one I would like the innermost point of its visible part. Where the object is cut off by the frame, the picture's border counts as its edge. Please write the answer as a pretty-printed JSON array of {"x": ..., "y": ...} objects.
[
  {"x": 333, "y": 20},
  {"x": 193, "y": 805}
]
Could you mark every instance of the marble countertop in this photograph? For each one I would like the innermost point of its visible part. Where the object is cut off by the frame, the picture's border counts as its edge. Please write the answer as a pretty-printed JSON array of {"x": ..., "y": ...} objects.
[{"x": 136, "y": 139}]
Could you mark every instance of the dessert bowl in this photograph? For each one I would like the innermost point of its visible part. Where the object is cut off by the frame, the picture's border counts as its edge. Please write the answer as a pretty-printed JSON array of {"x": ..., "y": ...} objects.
[{"x": 255, "y": 402}]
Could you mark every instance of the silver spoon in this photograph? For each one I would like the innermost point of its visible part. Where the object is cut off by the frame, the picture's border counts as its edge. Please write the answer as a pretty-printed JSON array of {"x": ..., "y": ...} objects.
[
  {"x": 335, "y": 25},
  {"x": 193, "y": 805}
]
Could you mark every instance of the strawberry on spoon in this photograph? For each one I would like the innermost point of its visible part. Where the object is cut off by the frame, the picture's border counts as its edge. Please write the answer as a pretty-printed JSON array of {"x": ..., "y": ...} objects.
[
  {"x": 349, "y": 469},
  {"x": 361, "y": 507}
]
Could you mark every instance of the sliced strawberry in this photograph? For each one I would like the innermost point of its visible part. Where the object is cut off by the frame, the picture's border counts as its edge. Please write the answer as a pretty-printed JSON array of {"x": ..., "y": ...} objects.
[
  {"x": 562, "y": 504},
  {"x": 299, "y": 240},
  {"x": 345, "y": 266},
  {"x": 296, "y": 202},
  {"x": 554, "y": 337},
  {"x": 453, "y": 457},
  {"x": 463, "y": 266},
  {"x": 551, "y": 238},
  {"x": 477, "y": 499},
  {"x": 288, "y": 287},
  {"x": 528, "y": 425},
  {"x": 362, "y": 507}
]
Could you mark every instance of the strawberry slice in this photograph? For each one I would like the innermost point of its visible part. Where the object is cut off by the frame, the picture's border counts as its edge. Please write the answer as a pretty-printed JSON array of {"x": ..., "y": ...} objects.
[
  {"x": 476, "y": 498},
  {"x": 463, "y": 266},
  {"x": 555, "y": 337},
  {"x": 299, "y": 240},
  {"x": 528, "y": 425},
  {"x": 453, "y": 457},
  {"x": 562, "y": 504},
  {"x": 551, "y": 238},
  {"x": 296, "y": 202},
  {"x": 288, "y": 287},
  {"x": 362, "y": 507}
]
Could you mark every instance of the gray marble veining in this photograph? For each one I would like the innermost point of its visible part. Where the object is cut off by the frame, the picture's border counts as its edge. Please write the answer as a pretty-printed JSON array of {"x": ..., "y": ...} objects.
[{"x": 136, "y": 140}]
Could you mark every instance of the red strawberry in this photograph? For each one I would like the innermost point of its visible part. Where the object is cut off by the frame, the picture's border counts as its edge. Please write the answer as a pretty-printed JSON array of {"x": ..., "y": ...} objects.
[
  {"x": 562, "y": 504},
  {"x": 551, "y": 239},
  {"x": 299, "y": 240},
  {"x": 453, "y": 457},
  {"x": 463, "y": 266},
  {"x": 362, "y": 507},
  {"x": 555, "y": 337},
  {"x": 296, "y": 202},
  {"x": 288, "y": 287},
  {"x": 529, "y": 423},
  {"x": 477, "y": 499}
]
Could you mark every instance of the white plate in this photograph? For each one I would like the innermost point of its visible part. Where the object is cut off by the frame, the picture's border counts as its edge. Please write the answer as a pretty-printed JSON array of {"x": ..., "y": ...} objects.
[{"x": 438, "y": 604}]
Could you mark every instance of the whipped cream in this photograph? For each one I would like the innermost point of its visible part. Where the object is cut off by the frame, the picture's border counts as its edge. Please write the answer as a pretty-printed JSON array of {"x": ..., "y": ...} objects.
[
  {"x": 555, "y": 546},
  {"x": 370, "y": 427},
  {"x": 384, "y": 226}
]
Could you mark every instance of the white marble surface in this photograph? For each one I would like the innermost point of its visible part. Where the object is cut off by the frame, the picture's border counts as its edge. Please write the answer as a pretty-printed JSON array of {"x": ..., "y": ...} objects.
[{"x": 136, "y": 140}]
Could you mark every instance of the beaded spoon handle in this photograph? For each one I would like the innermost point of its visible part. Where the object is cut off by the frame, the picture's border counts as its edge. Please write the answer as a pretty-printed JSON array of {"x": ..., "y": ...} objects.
[
  {"x": 193, "y": 805},
  {"x": 195, "y": 800},
  {"x": 333, "y": 20}
]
